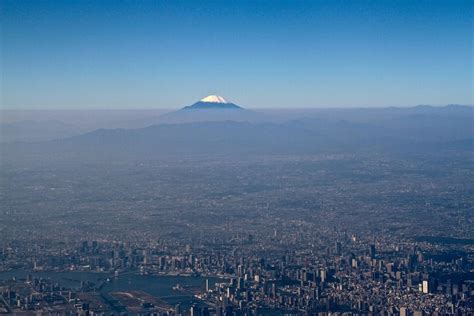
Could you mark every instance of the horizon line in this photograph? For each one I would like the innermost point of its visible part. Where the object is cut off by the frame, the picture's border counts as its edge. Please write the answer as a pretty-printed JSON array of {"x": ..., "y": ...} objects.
[{"x": 249, "y": 108}]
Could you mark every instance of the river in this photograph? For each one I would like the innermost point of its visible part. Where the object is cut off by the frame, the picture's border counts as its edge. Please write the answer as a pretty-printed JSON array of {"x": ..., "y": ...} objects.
[{"x": 159, "y": 286}]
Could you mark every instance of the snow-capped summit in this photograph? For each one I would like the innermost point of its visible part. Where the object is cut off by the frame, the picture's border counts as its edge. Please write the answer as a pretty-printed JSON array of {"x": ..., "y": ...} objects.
[
  {"x": 212, "y": 102},
  {"x": 214, "y": 99}
]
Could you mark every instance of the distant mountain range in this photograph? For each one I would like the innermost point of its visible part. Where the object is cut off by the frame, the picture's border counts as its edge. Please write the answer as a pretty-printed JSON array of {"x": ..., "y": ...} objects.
[
  {"x": 30, "y": 130},
  {"x": 386, "y": 130},
  {"x": 215, "y": 126}
]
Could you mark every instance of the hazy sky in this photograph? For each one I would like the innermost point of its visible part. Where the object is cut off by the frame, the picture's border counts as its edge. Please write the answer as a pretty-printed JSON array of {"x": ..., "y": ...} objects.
[{"x": 168, "y": 54}]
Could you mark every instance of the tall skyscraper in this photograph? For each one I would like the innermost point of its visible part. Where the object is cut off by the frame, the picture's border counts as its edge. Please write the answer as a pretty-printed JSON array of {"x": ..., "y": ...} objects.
[
  {"x": 338, "y": 249},
  {"x": 372, "y": 251},
  {"x": 195, "y": 310}
]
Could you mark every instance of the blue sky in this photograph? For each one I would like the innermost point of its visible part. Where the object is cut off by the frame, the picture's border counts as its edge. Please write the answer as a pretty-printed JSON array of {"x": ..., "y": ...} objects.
[{"x": 167, "y": 54}]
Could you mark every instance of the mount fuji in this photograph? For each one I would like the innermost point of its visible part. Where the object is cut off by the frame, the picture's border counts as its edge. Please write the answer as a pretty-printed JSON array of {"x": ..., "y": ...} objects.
[
  {"x": 212, "y": 108},
  {"x": 212, "y": 102}
]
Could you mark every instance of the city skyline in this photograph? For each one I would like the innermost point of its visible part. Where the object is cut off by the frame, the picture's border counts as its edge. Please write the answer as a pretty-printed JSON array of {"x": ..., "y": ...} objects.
[{"x": 236, "y": 158}]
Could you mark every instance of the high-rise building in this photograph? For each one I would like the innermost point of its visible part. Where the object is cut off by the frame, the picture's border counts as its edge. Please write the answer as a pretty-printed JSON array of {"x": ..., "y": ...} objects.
[
  {"x": 338, "y": 248},
  {"x": 240, "y": 283},
  {"x": 322, "y": 275},
  {"x": 403, "y": 311},
  {"x": 425, "y": 286},
  {"x": 85, "y": 246},
  {"x": 372, "y": 251},
  {"x": 177, "y": 309},
  {"x": 195, "y": 310}
]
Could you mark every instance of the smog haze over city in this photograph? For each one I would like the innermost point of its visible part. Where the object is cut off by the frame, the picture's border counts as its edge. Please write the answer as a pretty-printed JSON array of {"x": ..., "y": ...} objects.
[{"x": 236, "y": 158}]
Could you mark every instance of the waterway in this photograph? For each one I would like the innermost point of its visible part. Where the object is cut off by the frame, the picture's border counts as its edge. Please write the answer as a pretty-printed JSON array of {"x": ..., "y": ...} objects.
[{"x": 159, "y": 286}]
